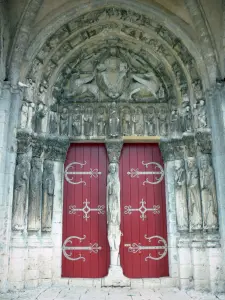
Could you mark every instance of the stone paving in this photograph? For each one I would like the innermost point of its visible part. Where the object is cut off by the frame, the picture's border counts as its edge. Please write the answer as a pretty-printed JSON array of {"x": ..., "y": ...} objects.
[{"x": 78, "y": 293}]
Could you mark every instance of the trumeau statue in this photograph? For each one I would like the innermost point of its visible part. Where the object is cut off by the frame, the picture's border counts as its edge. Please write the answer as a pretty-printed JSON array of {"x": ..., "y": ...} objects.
[
  {"x": 35, "y": 195},
  {"x": 208, "y": 193},
  {"x": 48, "y": 195},
  {"x": 114, "y": 121},
  {"x": 88, "y": 121},
  {"x": 194, "y": 198},
  {"x": 76, "y": 122},
  {"x": 20, "y": 192},
  {"x": 64, "y": 122},
  {"x": 113, "y": 212},
  {"x": 138, "y": 120},
  {"x": 181, "y": 196}
]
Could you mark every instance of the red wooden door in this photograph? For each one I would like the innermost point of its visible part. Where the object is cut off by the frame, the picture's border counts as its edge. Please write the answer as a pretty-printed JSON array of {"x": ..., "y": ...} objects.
[
  {"x": 143, "y": 248},
  {"x": 85, "y": 250}
]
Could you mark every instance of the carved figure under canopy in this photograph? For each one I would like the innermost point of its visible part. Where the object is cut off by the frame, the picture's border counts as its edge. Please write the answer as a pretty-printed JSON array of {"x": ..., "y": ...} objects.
[
  {"x": 64, "y": 122},
  {"x": 20, "y": 192},
  {"x": 114, "y": 121},
  {"x": 88, "y": 121},
  {"x": 126, "y": 122},
  {"x": 101, "y": 122},
  {"x": 48, "y": 195},
  {"x": 76, "y": 122},
  {"x": 150, "y": 121},
  {"x": 138, "y": 120},
  {"x": 181, "y": 196},
  {"x": 194, "y": 198},
  {"x": 208, "y": 192}
]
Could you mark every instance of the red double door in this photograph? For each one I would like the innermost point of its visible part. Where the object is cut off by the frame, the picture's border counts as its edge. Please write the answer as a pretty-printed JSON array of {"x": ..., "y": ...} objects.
[{"x": 85, "y": 249}]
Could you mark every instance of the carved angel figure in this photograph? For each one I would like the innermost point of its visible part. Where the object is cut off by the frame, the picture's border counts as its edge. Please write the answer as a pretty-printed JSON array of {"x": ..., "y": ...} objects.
[{"x": 208, "y": 192}]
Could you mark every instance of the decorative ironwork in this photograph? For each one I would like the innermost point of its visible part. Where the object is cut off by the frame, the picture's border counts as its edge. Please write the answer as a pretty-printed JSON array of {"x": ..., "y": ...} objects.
[
  {"x": 86, "y": 209},
  {"x": 136, "y": 173},
  {"x": 93, "y": 248},
  {"x": 137, "y": 247},
  {"x": 93, "y": 173},
  {"x": 142, "y": 209}
]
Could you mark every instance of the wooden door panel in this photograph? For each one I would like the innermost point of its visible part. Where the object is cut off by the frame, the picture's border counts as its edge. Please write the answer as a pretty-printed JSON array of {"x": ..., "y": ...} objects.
[
  {"x": 143, "y": 211},
  {"x": 85, "y": 244}
]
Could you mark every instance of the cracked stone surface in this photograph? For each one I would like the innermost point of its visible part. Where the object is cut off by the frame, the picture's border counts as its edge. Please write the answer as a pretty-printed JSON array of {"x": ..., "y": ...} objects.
[{"x": 78, "y": 293}]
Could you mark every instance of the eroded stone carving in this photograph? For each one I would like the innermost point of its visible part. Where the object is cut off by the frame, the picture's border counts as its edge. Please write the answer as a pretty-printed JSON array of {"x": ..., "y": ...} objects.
[
  {"x": 88, "y": 121},
  {"x": 41, "y": 120},
  {"x": 24, "y": 115},
  {"x": 138, "y": 120},
  {"x": 208, "y": 193},
  {"x": 175, "y": 126},
  {"x": 126, "y": 121},
  {"x": 113, "y": 213},
  {"x": 200, "y": 115},
  {"x": 150, "y": 121},
  {"x": 48, "y": 196},
  {"x": 181, "y": 196},
  {"x": 186, "y": 117},
  {"x": 20, "y": 191},
  {"x": 194, "y": 199},
  {"x": 29, "y": 91},
  {"x": 101, "y": 121},
  {"x": 162, "y": 116},
  {"x": 114, "y": 121},
  {"x": 64, "y": 122},
  {"x": 35, "y": 195},
  {"x": 76, "y": 122},
  {"x": 53, "y": 123}
]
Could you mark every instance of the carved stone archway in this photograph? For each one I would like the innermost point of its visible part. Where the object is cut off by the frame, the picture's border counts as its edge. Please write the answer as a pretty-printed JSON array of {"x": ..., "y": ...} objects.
[{"x": 110, "y": 75}]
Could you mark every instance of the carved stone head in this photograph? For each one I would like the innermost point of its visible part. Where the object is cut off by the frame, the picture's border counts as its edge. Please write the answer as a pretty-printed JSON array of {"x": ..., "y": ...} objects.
[
  {"x": 112, "y": 168},
  {"x": 36, "y": 163},
  {"x": 49, "y": 166},
  {"x": 191, "y": 163},
  {"x": 179, "y": 164}
]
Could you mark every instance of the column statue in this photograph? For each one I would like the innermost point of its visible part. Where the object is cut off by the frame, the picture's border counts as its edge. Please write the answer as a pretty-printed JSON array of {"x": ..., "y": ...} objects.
[
  {"x": 20, "y": 191},
  {"x": 194, "y": 199},
  {"x": 48, "y": 195},
  {"x": 181, "y": 196},
  {"x": 208, "y": 193},
  {"x": 35, "y": 195}
]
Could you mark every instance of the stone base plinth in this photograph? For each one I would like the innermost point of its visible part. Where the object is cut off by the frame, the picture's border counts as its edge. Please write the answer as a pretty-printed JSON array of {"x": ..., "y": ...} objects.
[{"x": 115, "y": 278}]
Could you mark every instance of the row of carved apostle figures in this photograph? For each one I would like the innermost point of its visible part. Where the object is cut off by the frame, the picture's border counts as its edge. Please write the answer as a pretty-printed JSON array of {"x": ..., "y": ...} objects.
[
  {"x": 34, "y": 187},
  {"x": 195, "y": 192},
  {"x": 113, "y": 120}
]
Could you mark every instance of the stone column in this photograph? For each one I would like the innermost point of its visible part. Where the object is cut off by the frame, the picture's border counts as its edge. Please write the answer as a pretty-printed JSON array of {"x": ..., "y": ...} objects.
[
  {"x": 115, "y": 276},
  {"x": 180, "y": 264}
]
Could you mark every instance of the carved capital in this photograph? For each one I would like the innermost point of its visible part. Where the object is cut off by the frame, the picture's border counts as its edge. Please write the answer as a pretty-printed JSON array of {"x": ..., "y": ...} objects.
[
  {"x": 56, "y": 149},
  {"x": 24, "y": 142},
  {"x": 114, "y": 150},
  {"x": 204, "y": 142},
  {"x": 38, "y": 146},
  {"x": 172, "y": 149},
  {"x": 190, "y": 146}
]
